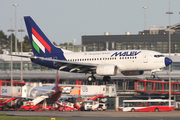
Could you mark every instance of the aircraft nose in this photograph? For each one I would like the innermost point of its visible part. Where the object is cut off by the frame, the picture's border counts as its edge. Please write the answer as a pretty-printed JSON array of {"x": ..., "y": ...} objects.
[{"x": 168, "y": 61}]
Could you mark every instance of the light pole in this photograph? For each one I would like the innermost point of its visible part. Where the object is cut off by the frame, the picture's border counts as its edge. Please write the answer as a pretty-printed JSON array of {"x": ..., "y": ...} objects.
[
  {"x": 145, "y": 17},
  {"x": 11, "y": 30},
  {"x": 169, "y": 54},
  {"x": 15, "y": 5},
  {"x": 21, "y": 30},
  {"x": 74, "y": 41}
]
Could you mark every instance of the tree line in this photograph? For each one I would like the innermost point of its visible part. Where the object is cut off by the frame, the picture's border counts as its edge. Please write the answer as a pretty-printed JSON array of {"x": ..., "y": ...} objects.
[{"x": 5, "y": 43}]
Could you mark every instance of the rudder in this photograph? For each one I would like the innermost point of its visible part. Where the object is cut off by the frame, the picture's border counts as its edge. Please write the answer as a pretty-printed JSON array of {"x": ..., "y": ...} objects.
[{"x": 40, "y": 44}]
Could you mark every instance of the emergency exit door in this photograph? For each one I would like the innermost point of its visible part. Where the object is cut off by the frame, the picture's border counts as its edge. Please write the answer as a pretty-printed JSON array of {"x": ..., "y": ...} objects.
[{"x": 145, "y": 58}]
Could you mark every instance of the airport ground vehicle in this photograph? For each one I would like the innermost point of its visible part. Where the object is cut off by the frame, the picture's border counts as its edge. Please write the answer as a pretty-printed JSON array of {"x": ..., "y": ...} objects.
[
  {"x": 53, "y": 108},
  {"x": 102, "y": 107},
  {"x": 89, "y": 105},
  {"x": 147, "y": 105},
  {"x": 29, "y": 107},
  {"x": 66, "y": 107}
]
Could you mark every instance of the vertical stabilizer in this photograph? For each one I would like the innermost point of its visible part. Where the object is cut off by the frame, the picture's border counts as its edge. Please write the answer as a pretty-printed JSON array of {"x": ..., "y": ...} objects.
[{"x": 40, "y": 44}]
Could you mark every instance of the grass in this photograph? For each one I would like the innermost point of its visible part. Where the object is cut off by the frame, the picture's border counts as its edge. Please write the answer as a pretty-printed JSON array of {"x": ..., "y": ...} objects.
[{"x": 12, "y": 117}]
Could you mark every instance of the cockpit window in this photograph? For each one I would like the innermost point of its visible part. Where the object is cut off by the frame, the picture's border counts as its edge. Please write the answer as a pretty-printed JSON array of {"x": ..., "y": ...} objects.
[{"x": 158, "y": 56}]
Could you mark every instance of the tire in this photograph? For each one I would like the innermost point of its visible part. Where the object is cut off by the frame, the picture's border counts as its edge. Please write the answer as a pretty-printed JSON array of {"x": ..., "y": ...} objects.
[
  {"x": 23, "y": 109},
  {"x": 91, "y": 79},
  {"x": 63, "y": 110},
  {"x": 156, "y": 110},
  {"x": 106, "y": 78},
  {"x": 132, "y": 110},
  {"x": 71, "y": 110},
  {"x": 30, "y": 109},
  {"x": 153, "y": 76}
]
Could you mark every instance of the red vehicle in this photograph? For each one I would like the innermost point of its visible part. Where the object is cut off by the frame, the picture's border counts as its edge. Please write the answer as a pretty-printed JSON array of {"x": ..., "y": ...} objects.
[
  {"x": 66, "y": 108},
  {"x": 147, "y": 105},
  {"x": 61, "y": 108},
  {"x": 2, "y": 104},
  {"x": 29, "y": 107},
  {"x": 53, "y": 107}
]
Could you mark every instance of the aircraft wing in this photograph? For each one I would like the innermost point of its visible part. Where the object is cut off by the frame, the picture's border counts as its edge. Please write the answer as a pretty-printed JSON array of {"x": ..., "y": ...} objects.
[{"x": 80, "y": 67}]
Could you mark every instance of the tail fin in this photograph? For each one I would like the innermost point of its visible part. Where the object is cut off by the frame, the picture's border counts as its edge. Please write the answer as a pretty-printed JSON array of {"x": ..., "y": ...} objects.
[{"x": 40, "y": 44}]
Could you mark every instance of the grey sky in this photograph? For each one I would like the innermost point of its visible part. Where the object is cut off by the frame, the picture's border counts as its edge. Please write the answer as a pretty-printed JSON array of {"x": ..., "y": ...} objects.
[{"x": 62, "y": 20}]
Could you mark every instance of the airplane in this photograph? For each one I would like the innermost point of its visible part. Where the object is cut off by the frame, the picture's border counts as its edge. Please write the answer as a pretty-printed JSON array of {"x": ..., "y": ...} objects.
[
  {"x": 103, "y": 63},
  {"x": 52, "y": 93}
]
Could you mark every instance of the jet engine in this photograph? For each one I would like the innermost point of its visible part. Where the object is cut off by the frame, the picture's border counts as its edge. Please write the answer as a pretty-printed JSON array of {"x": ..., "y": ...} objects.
[
  {"x": 18, "y": 103},
  {"x": 106, "y": 70},
  {"x": 129, "y": 73}
]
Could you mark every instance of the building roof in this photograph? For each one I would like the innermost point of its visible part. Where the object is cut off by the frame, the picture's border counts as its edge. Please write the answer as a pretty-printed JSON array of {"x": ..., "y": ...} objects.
[{"x": 175, "y": 27}]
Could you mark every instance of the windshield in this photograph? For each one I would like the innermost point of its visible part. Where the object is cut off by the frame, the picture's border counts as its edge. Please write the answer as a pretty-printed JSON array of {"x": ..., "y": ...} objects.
[{"x": 158, "y": 56}]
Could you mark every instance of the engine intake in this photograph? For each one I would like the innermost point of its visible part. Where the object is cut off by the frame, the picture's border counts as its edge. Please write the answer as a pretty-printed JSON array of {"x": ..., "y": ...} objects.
[{"x": 106, "y": 70}]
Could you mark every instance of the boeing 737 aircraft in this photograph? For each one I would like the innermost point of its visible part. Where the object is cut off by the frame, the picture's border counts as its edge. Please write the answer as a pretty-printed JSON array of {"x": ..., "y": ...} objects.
[{"x": 103, "y": 63}]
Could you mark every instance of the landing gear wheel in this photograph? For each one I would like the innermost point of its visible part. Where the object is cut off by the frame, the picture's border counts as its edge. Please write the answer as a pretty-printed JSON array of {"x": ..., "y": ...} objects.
[
  {"x": 106, "y": 78},
  {"x": 153, "y": 76},
  {"x": 91, "y": 79}
]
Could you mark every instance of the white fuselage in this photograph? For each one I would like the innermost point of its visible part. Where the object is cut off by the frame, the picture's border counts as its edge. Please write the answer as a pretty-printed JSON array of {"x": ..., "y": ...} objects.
[{"x": 125, "y": 60}]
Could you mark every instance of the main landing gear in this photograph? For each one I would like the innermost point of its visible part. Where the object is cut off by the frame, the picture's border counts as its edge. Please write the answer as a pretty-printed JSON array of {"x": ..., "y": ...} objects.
[
  {"x": 106, "y": 78},
  {"x": 93, "y": 79}
]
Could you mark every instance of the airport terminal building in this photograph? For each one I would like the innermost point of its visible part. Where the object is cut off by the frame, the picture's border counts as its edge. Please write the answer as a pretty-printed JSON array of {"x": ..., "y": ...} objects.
[{"x": 156, "y": 38}]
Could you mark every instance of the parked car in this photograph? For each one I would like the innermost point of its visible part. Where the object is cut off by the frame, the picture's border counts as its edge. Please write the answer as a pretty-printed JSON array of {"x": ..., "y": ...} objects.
[{"x": 102, "y": 106}]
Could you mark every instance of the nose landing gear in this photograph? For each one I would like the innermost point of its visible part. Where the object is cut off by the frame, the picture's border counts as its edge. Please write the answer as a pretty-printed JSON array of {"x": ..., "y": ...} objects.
[{"x": 153, "y": 75}]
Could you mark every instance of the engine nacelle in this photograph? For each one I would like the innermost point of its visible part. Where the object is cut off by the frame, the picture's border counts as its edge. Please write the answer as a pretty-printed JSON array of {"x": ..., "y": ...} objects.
[
  {"x": 129, "y": 73},
  {"x": 106, "y": 70}
]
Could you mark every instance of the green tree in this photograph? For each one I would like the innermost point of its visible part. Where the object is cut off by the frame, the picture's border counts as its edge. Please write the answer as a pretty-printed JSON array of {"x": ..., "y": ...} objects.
[
  {"x": 13, "y": 42},
  {"x": 66, "y": 44},
  {"x": 55, "y": 43},
  {"x": 4, "y": 42},
  {"x": 26, "y": 44},
  {"x": 70, "y": 43}
]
